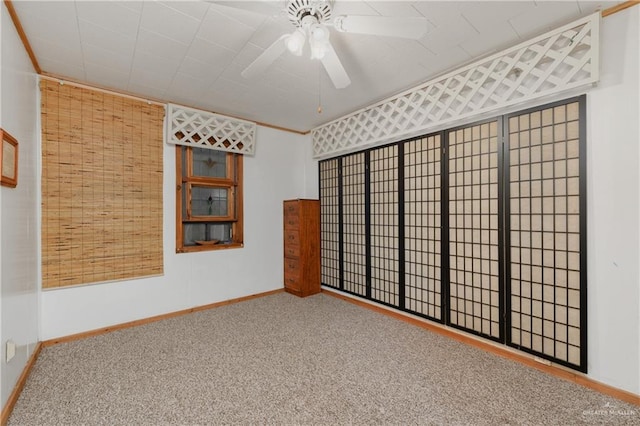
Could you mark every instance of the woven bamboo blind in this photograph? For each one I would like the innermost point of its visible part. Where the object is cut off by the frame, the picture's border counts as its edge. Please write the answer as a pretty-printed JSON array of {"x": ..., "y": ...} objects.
[{"x": 101, "y": 187}]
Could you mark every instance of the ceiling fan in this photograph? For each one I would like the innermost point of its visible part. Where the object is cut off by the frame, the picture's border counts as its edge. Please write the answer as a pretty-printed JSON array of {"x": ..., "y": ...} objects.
[{"x": 312, "y": 19}]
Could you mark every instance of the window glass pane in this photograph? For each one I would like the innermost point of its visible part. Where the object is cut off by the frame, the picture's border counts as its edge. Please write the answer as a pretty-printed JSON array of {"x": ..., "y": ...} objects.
[
  {"x": 207, "y": 201},
  {"x": 209, "y": 163},
  {"x": 201, "y": 233},
  {"x": 184, "y": 202}
]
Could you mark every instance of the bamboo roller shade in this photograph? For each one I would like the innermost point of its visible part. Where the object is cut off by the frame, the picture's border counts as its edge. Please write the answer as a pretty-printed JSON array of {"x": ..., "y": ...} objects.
[{"x": 101, "y": 187}]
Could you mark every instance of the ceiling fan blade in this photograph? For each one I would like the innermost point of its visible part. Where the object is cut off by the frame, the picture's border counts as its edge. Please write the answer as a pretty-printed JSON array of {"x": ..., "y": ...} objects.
[
  {"x": 262, "y": 62},
  {"x": 334, "y": 68},
  {"x": 405, "y": 27}
]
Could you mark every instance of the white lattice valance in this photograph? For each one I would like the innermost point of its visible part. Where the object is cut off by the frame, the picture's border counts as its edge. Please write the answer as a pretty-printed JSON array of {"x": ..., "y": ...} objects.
[
  {"x": 554, "y": 62},
  {"x": 203, "y": 129}
]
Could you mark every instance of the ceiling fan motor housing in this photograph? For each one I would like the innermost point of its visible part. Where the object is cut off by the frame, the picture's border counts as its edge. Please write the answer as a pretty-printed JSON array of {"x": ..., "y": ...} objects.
[{"x": 298, "y": 10}]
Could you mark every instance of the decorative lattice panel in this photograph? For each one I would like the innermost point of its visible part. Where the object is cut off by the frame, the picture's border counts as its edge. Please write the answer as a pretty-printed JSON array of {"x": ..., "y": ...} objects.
[
  {"x": 474, "y": 250},
  {"x": 202, "y": 129},
  {"x": 422, "y": 188},
  {"x": 547, "y": 284},
  {"x": 551, "y": 63}
]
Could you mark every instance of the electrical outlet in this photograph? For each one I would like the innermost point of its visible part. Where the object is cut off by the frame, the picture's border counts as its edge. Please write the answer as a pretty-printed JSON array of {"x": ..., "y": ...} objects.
[{"x": 11, "y": 350}]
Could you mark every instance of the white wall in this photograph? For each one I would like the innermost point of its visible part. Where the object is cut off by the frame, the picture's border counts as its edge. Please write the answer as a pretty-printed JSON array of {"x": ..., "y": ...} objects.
[
  {"x": 18, "y": 209},
  {"x": 613, "y": 214},
  {"x": 275, "y": 173},
  {"x": 311, "y": 170}
]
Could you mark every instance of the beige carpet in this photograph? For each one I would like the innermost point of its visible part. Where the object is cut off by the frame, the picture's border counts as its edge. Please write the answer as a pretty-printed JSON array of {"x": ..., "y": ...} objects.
[{"x": 285, "y": 360}]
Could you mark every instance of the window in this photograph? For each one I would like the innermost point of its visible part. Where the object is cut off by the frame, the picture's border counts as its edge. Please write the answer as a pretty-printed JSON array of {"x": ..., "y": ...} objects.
[{"x": 208, "y": 199}]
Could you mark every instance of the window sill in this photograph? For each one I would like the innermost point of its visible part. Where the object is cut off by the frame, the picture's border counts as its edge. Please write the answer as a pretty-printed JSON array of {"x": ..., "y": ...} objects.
[{"x": 192, "y": 249}]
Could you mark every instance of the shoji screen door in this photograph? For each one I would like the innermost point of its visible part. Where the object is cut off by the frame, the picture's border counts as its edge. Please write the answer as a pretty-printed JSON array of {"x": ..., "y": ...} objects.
[
  {"x": 385, "y": 274},
  {"x": 474, "y": 238},
  {"x": 330, "y": 213},
  {"x": 547, "y": 218},
  {"x": 422, "y": 226},
  {"x": 354, "y": 226}
]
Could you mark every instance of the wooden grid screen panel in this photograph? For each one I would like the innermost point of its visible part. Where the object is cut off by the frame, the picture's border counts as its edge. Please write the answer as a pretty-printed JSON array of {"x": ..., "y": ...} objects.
[
  {"x": 354, "y": 224},
  {"x": 383, "y": 166},
  {"x": 330, "y": 222},
  {"x": 101, "y": 186},
  {"x": 474, "y": 252},
  {"x": 547, "y": 284},
  {"x": 422, "y": 205}
]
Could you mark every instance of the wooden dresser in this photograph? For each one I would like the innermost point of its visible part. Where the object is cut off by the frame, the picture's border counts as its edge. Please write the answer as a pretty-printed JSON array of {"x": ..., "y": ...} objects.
[{"x": 302, "y": 247}]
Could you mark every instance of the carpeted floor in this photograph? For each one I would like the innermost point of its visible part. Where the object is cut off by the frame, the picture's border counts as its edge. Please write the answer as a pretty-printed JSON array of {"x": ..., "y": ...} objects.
[{"x": 285, "y": 360}]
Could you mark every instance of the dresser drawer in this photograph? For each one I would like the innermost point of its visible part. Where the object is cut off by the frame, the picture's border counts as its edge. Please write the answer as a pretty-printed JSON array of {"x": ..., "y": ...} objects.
[
  {"x": 291, "y": 267},
  {"x": 292, "y": 209},
  {"x": 292, "y": 281},
  {"x": 291, "y": 221},
  {"x": 291, "y": 236},
  {"x": 292, "y": 251}
]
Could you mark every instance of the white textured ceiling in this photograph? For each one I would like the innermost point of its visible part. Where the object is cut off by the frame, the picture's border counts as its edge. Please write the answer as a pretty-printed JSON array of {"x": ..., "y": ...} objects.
[{"x": 192, "y": 52}]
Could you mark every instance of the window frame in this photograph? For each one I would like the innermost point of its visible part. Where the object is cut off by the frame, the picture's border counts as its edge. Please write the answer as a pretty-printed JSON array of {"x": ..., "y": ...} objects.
[{"x": 233, "y": 183}]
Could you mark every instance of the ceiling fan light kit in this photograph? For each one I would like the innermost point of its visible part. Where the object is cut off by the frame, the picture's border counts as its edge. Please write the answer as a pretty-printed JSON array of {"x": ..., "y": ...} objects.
[
  {"x": 295, "y": 42},
  {"x": 319, "y": 32},
  {"x": 310, "y": 28},
  {"x": 312, "y": 18},
  {"x": 318, "y": 40},
  {"x": 318, "y": 49}
]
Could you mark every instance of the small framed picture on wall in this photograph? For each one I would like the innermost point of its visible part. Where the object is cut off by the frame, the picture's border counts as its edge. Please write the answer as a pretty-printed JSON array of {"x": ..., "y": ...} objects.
[{"x": 9, "y": 160}]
